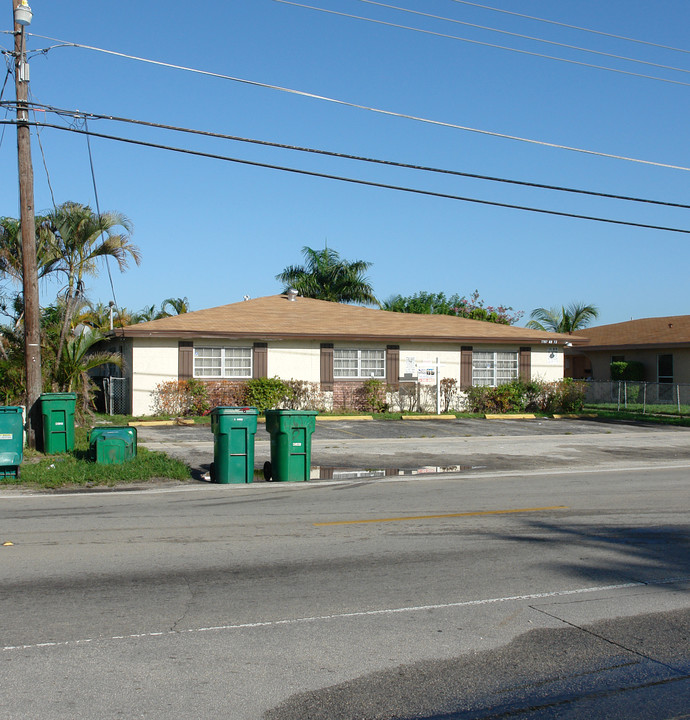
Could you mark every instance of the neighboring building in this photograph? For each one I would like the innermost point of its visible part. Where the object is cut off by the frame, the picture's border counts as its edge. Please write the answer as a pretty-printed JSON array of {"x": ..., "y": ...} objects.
[
  {"x": 661, "y": 344},
  {"x": 333, "y": 345}
]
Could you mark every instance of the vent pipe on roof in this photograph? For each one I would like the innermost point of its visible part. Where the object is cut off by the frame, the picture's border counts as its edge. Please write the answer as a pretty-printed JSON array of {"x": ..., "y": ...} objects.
[{"x": 292, "y": 294}]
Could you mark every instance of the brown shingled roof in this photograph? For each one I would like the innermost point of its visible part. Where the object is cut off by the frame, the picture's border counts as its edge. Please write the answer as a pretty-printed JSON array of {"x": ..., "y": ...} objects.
[
  {"x": 275, "y": 317},
  {"x": 669, "y": 331}
]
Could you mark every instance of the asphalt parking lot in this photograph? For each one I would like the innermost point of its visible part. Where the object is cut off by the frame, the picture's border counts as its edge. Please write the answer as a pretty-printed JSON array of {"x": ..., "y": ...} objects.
[{"x": 346, "y": 449}]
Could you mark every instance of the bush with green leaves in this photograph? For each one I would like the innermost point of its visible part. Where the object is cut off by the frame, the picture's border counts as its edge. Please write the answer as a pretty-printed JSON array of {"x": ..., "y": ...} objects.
[
  {"x": 625, "y": 370},
  {"x": 565, "y": 395},
  {"x": 373, "y": 395},
  {"x": 267, "y": 393}
]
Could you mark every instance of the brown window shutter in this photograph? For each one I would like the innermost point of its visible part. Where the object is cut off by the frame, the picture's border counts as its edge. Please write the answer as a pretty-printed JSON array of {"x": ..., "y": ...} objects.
[
  {"x": 327, "y": 366},
  {"x": 185, "y": 360},
  {"x": 525, "y": 364},
  {"x": 466, "y": 366},
  {"x": 260, "y": 360},
  {"x": 392, "y": 364}
]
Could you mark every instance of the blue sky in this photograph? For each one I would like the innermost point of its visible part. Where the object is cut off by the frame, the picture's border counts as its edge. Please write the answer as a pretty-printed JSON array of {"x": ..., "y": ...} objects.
[{"x": 215, "y": 231}]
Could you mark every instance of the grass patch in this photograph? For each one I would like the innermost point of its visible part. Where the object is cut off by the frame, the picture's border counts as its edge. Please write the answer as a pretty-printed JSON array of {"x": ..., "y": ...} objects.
[
  {"x": 630, "y": 416},
  {"x": 74, "y": 469}
]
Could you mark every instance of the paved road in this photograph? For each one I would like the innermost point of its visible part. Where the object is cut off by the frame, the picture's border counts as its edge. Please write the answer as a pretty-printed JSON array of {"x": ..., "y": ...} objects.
[{"x": 450, "y": 596}]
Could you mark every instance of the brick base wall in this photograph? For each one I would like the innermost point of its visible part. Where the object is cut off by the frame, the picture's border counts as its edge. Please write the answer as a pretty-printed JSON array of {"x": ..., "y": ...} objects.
[{"x": 348, "y": 395}]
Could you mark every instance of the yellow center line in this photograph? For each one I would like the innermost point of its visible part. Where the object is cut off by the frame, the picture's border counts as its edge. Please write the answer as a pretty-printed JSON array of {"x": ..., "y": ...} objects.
[{"x": 446, "y": 515}]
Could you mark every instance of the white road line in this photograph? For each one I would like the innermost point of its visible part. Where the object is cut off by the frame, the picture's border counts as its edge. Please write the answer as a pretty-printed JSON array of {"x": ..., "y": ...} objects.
[{"x": 358, "y": 614}]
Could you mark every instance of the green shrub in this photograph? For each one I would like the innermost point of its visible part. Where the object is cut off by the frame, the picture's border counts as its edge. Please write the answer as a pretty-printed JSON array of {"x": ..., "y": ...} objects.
[
  {"x": 565, "y": 395},
  {"x": 625, "y": 370},
  {"x": 268, "y": 393},
  {"x": 373, "y": 396}
]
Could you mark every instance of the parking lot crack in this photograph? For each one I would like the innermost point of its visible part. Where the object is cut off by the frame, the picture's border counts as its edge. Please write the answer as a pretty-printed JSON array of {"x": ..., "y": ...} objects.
[
  {"x": 605, "y": 639},
  {"x": 187, "y": 605}
]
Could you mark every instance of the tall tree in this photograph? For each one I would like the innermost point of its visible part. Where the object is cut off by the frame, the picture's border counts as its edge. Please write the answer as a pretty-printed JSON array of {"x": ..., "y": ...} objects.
[
  {"x": 566, "y": 320},
  {"x": 473, "y": 308},
  {"x": 327, "y": 276},
  {"x": 11, "y": 249},
  {"x": 174, "y": 306},
  {"x": 80, "y": 237}
]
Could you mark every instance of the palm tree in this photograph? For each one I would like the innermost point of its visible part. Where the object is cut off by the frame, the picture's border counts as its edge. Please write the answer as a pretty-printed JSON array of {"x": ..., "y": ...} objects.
[
  {"x": 326, "y": 276},
  {"x": 78, "y": 357},
  {"x": 79, "y": 238},
  {"x": 11, "y": 248},
  {"x": 178, "y": 306},
  {"x": 566, "y": 320}
]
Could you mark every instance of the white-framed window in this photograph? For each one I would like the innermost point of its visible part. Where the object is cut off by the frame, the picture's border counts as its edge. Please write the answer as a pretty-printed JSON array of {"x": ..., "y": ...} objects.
[
  {"x": 222, "y": 362},
  {"x": 359, "y": 363},
  {"x": 494, "y": 368}
]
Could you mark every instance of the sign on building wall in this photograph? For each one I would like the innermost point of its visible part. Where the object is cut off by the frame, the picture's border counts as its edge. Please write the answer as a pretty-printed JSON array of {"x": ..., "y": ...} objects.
[{"x": 426, "y": 375}]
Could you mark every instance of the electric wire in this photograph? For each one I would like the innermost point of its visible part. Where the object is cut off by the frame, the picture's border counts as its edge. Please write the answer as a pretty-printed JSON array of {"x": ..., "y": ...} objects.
[
  {"x": 572, "y": 27},
  {"x": 368, "y": 183},
  {"x": 33, "y": 107},
  {"x": 98, "y": 210},
  {"x": 7, "y": 108},
  {"x": 482, "y": 43},
  {"x": 524, "y": 37},
  {"x": 347, "y": 156},
  {"x": 345, "y": 103}
]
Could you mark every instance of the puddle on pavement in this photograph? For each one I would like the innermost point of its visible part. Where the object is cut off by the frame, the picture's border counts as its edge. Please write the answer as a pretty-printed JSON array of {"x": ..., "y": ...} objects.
[{"x": 321, "y": 472}]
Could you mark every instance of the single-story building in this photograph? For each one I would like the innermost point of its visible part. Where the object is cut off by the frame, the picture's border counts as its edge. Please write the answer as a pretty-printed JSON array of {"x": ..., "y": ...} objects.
[
  {"x": 660, "y": 344},
  {"x": 333, "y": 345}
]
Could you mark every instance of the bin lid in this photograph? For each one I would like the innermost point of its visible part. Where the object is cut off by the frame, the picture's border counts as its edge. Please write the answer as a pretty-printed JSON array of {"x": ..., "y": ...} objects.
[
  {"x": 11, "y": 409},
  {"x": 59, "y": 396},
  {"x": 227, "y": 410},
  {"x": 280, "y": 411}
]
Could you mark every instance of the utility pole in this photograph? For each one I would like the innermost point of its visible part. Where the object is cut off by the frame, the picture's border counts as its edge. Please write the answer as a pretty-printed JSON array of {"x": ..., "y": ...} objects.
[{"x": 32, "y": 338}]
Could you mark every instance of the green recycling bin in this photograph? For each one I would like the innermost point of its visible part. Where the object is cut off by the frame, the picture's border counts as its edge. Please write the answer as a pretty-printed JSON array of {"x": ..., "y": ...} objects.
[
  {"x": 57, "y": 410},
  {"x": 233, "y": 429},
  {"x": 11, "y": 440},
  {"x": 291, "y": 432},
  {"x": 112, "y": 445}
]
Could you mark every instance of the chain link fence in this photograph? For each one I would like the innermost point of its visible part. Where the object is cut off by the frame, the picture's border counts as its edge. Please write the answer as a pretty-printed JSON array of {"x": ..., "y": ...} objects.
[
  {"x": 644, "y": 397},
  {"x": 116, "y": 395}
]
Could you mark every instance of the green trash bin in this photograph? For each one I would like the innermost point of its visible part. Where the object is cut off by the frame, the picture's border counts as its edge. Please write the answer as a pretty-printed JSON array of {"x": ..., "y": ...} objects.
[
  {"x": 233, "y": 429},
  {"x": 113, "y": 444},
  {"x": 11, "y": 441},
  {"x": 57, "y": 410},
  {"x": 291, "y": 432}
]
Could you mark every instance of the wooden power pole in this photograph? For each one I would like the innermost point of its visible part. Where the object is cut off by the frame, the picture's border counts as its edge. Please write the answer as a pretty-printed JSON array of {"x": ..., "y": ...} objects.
[{"x": 32, "y": 312}]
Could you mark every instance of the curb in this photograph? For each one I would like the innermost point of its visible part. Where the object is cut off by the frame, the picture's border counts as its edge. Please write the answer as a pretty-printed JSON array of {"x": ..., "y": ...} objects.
[
  {"x": 329, "y": 418},
  {"x": 574, "y": 416},
  {"x": 428, "y": 417},
  {"x": 506, "y": 416}
]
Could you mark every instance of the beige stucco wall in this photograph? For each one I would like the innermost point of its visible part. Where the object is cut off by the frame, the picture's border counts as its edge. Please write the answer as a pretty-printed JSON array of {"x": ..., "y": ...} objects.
[
  {"x": 547, "y": 363},
  {"x": 601, "y": 362},
  {"x": 152, "y": 361},
  {"x": 295, "y": 361}
]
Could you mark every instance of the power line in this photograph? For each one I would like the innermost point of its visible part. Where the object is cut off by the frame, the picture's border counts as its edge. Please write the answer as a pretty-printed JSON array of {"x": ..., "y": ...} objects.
[
  {"x": 345, "y": 103},
  {"x": 484, "y": 44},
  {"x": 346, "y": 156},
  {"x": 572, "y": 27},
  {"x": 524, "y": 37},
  {"x": 358, "y": 181}
]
